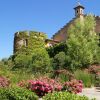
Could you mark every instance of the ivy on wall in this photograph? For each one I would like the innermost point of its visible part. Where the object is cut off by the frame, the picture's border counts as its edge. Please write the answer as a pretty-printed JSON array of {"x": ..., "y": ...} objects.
[{"x": 33, "y": 54}]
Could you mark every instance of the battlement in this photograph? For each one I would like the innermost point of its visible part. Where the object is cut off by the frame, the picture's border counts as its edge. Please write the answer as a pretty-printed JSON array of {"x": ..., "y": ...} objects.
[{"x": 26, "y": 33}]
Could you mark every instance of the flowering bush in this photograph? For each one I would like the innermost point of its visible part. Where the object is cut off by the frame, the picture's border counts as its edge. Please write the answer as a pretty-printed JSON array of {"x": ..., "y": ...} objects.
[
  {"x": 74, "y": 86},
  {"x": 55, "y": 84},
  {"x": 23, "y": 83},
  {"x": 40, "y": 88},
  {"x": 4, "y": 82},
  {"x": 45, "y": 85}
]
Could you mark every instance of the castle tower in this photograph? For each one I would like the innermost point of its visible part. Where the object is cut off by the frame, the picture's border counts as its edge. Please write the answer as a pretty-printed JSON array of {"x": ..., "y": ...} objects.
[
  {"x": 79, "y": 10},
  {"x": 20, "y": 39}
]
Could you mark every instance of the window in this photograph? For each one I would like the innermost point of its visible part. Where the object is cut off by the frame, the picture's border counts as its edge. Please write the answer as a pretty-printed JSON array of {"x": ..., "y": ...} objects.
[
  {"x": 26, "y": 42},
  {"x": 81, "y": 11}
]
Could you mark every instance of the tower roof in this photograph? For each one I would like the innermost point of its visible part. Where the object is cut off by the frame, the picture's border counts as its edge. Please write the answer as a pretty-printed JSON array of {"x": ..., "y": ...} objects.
[{"x": 79, "y": 6}]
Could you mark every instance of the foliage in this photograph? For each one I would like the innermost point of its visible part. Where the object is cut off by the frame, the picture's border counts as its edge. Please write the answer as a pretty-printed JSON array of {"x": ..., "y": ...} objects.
[
  {"x": 93, "y": 69},
  {"x": 61, "y": 47},
  {"x": 22, "y": 61},
  {"x": 40, "y": 61},
  {"x": 16, "y": 76},
  {"x": 4, "y": 82},
  {"x": 59, "y": 61},
  {"x": 82, "y": 44},
  {"x": 34, "y": 55},
  {"x": 5, "y": 61},
  {"x": 55, "y": 84},
  {"x": 63, "y": 75},
  {"x": 74, "y": 86},
  {"x": 64, "y": 96},
  {"x": 88, "y": 79},
  {"x": 97, "y": 55},
  {"x": 16, "y": 93},
  {"x": 41, "y": 86}
]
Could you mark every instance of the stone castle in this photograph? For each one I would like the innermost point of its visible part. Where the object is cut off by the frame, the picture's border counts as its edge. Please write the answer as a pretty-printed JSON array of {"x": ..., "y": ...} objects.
[
  {"x": 25, "y": 38},
  {"x": 58, "y": 37}
]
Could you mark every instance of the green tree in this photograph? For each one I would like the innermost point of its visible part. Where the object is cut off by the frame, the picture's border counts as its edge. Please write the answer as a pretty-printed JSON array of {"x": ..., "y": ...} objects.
[
  {"x": 61, "y": 47},
  {"x": 59, "y": 61},
  {"x": 22, "y": 61},
  {"x": 82, "y": 43},
  {"x": 41, "y": 61}
]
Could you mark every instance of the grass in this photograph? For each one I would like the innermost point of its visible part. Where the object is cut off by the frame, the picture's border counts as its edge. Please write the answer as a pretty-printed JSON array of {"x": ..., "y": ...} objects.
[
  {"x": 87, "y": 78},
  {"x": 15, "y": 76}
]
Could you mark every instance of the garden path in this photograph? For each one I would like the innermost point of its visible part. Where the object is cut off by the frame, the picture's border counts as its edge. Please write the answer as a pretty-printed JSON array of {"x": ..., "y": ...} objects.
[{"x": 91, "y": 92}]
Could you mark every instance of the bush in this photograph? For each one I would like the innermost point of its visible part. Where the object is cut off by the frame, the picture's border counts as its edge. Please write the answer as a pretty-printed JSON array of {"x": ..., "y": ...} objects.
[
  {"x": 41, "y": 86},
  {"x": 63, "y": 75},
  {"x": 41, "y": 61},
  {"x": 60, "y": 47},
  {"x": 55, "y": 84},
  {"x": 63, "y": 96},
  {"x": 59, "y": 61},
  {"x": 74, "y": 86},
  {"x": 16, "y": 94},
  {"x": 4, "y": 82}
]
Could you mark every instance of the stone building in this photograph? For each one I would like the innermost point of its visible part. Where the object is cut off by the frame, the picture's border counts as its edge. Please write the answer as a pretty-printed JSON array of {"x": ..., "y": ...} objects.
[
  {"x": 62, "y": 34},
  {"x": 26, "y": 38},
  {"x": 22, "y": 38}
]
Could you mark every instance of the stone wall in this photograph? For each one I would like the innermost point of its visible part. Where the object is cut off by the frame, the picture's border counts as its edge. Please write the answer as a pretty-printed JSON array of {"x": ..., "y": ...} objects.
[
  {"x": 26, "y": 38},
  {"x": 62, "y": 34}
]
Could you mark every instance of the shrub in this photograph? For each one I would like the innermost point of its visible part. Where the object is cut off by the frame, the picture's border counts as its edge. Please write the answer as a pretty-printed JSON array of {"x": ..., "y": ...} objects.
[
  {"x": 59, "y": 61},
  {"x": 22, "y": 83},
  {"x": 4, "y": 82},
  {"x": 63, "y": 96},
  {"x": 63, "y": 75},
  {"x": 40, "y": 88},
  {"x": 41, "y": 61},
  {"x": 55, "y": 84},
  {"x": 94, "y": 69},
  {"x": 60, "y": 47},
  {"x": 16, "y": 94},
  {"x": 88, "y": 79},
  {"x": 74, "y": 86}
]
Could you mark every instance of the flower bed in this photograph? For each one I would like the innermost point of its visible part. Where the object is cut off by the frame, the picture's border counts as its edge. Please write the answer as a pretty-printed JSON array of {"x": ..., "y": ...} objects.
[
  {"x": 74, "y": 86},
  {"x": 4, "y": 82},
  {"x": 43, "y": 86}
]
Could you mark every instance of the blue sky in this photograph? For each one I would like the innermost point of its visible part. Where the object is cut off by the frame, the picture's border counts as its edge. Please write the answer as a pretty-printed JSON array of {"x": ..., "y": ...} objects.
[{"x": 39, "y": 15}]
